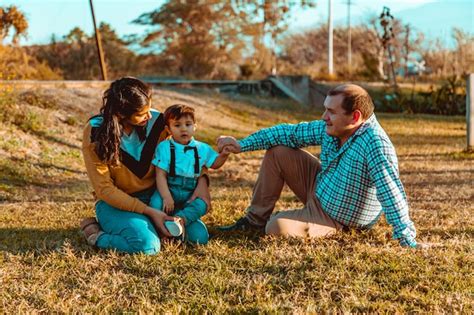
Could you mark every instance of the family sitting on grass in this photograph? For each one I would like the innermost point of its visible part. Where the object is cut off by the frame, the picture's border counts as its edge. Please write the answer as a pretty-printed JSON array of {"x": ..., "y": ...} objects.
[{"x": 150, "y": 178}]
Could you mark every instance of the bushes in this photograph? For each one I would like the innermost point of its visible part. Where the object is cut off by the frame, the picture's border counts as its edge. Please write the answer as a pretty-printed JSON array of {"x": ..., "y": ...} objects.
[
  {"x": 24, "y": 110},
  {"x": 37, "y": 99},
  {"x": 447, "y": 99},
  {"x": 16, "y": 64}
]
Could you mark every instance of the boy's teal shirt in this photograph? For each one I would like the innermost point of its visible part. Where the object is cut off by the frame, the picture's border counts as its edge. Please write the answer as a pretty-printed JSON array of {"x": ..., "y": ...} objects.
[
  {"x": 184, "y": 160},
  {"x": 357, "y": 181}
]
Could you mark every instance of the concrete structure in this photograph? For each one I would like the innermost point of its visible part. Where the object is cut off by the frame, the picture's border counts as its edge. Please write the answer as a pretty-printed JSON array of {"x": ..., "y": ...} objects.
[{"x": 299, "y": 88}]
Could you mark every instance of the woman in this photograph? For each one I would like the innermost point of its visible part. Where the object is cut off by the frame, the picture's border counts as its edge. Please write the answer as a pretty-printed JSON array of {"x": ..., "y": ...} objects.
[{"x": 118, "y": 147}]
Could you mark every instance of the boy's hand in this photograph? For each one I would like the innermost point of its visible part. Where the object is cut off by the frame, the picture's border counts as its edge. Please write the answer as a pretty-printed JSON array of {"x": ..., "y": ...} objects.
[
  {"x": 226, "y": 151},
  {"x": 230, "y": 142},
  {"x": 168, "y": 205}
]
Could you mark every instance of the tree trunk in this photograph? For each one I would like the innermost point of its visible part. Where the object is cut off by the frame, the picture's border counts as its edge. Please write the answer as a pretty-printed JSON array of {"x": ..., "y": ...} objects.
[{"x": 380, "y": 59}]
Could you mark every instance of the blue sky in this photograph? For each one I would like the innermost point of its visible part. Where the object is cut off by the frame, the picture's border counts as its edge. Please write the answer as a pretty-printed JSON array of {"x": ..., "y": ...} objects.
[{"x": 60, "y": 16}]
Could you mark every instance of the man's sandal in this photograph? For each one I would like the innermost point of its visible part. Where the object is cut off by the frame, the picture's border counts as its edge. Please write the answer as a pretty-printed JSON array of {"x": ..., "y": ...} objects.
[{"x": 91, "y": 230}]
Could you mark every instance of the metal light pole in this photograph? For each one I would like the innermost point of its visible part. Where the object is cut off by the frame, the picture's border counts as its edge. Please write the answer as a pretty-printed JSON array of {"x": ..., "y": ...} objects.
[
  {"x": 330, "y": 39},
  {"x": 349, "y": 39},
  {"x": 470, "y": 112},
  {"x": 99, "y": 45}
]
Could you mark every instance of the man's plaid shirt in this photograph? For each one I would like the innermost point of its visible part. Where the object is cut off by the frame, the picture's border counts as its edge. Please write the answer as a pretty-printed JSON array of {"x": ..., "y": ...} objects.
[{"x": 357, "y": 181}]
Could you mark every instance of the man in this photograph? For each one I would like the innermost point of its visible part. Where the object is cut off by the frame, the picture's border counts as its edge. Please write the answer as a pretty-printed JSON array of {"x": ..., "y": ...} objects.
[{"x": 355, "y": 180}]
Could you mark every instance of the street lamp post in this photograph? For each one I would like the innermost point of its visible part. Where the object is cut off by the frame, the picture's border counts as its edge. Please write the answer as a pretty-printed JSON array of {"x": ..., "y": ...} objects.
[{"x": 330, "y": 39}]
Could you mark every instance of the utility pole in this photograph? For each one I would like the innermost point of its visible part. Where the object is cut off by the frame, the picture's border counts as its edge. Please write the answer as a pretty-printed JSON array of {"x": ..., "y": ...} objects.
[
  {"x": 99, "y": 45},
  {"x": 330, "y": 39},
  {"x": 470, "y": 112},
  {"x": 349, "y": 37}
]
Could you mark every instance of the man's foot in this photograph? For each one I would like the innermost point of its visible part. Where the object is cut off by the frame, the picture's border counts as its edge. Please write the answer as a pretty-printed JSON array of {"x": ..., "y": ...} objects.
[
  {"x": 174, "y": 227},
  {"x": 91, "y": 230},
  {"x": 242, "y": 224}
]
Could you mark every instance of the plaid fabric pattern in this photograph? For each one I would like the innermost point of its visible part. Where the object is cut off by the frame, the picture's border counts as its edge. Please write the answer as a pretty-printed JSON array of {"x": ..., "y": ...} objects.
[{"x": 357, "y": 181}]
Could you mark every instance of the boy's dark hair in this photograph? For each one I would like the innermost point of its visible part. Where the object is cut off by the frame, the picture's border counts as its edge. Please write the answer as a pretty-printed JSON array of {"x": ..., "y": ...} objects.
[
  {"x": 177, "y": 111},
  {"x": 355, "y": 98}
]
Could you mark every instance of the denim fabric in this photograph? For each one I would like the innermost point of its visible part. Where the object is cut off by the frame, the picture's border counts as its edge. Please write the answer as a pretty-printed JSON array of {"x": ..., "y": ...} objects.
[
  {"x": 127, "y": 231},
  {"x": 181, "y": 189}
]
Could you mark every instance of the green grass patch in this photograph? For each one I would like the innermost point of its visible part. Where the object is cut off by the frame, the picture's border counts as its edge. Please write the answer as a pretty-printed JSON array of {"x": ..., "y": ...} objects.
[{"x": 37, "y": 99}]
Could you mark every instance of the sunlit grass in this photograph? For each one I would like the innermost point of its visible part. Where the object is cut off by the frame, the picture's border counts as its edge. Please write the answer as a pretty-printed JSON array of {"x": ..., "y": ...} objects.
[{"x": 46, "y": 266}]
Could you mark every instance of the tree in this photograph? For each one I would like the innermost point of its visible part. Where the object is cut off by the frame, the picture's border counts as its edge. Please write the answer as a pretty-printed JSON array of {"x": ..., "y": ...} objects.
[
  {"x": 307, "y": 52},
  {"x": 196, "y": 38},
  {"x": 11, "y": 17},
  {"x": 205, "y": 38},
  {"x": 75, "y": 55},
  {"x": 268, "y": 21},
  {"x": 446, "y": 62},
  {"x": 15, "y": 62},
  {"x": 394, "y": 44}
]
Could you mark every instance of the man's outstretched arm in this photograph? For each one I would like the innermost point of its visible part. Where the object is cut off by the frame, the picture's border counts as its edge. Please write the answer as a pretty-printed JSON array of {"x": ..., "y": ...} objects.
[{"x": 291, "y": 135}]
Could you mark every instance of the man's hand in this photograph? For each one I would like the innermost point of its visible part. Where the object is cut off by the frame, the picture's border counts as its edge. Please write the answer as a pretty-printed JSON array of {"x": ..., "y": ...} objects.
[
  {"x": 425, "y": 246},
  {"x": 168, "y": 205},
  {"x": 230, "y": 144},
  {"x": 226, "y": 151}
]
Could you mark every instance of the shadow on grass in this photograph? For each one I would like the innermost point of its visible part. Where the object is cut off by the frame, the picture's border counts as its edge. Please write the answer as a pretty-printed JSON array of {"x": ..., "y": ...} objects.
[
  {"x": 23, "y": 190},
  {"x": 40, "y": 241},
  {"x": 45, "y": 241},
  {"x": 50, "y": 138},
  {"x": 438, "y": 183},
  {"x": 18, "y": 176},
  {"x": 441, "y": 200},
  {"x": 222, "y": 181},
  {"x": 446, "y": 234},
  {"x": 422, "y": 156},
  {"x": 415, "y": 140},
  {"x": 50, "y": 165},
  {"x": 18, "y": 173},
  {"x": 236, "y": 238},
  {"x": 446, "y": 172}
]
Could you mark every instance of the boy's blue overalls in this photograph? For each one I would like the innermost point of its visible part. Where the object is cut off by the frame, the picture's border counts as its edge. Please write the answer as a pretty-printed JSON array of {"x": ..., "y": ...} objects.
[{"x": 181, "y": 189}]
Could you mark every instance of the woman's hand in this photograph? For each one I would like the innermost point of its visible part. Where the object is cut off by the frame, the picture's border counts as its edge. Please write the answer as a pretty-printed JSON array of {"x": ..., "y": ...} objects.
[
  {"x": 202, "y": 191},
  {"x": 158, "y": 218}
]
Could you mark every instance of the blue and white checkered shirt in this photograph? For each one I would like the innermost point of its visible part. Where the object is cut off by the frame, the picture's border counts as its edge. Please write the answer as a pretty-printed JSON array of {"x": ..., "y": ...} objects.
[{"x": 357, "y": 181}]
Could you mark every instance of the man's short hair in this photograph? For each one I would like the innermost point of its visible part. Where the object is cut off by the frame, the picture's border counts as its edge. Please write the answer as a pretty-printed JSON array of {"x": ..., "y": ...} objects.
[
  {"x": 177, "y": 111},
  {"x": 355, "y": 98}
]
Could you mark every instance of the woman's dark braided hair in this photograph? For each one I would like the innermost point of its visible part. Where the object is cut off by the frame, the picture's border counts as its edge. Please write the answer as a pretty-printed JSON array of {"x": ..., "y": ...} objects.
[{"x": 124, "y": 97}]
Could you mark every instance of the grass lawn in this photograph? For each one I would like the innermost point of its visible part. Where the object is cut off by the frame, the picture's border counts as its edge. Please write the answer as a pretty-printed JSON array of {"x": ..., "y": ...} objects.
[{"x": 46, "y": 266}]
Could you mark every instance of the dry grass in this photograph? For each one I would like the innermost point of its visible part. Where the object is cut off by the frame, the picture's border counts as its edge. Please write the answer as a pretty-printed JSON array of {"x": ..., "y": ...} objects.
[{"x": 45, "y": 265}]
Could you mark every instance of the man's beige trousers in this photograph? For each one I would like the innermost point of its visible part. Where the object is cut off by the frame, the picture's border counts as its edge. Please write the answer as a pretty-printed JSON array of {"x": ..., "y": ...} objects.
[{"x": 298, "y": 169}]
